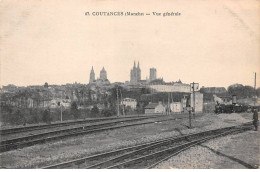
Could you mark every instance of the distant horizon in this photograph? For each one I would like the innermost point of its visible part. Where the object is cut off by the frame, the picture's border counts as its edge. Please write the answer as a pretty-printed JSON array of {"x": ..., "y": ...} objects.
[
  {"x": 42, "y": 84},
  {"x": 97, "y": 76}
]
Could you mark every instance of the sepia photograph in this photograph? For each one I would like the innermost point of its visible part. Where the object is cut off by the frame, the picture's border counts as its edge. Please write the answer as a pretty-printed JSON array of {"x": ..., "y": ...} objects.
[{"x": 119, "y": 84}]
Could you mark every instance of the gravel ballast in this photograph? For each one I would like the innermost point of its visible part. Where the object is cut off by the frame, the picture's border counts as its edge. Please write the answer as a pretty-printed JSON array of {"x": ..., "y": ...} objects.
[
  {"x": 46, "y": 154},
  {"x": 240, "y": 151}
]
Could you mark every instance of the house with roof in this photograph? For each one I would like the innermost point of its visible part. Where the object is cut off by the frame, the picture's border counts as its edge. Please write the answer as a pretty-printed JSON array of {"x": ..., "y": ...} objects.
[
  {"x": 222, "y": 99},
  {"x": 176, "y": 107},
  {"x": 129, "y": 102},
  {"x": 153, "y": 108}
]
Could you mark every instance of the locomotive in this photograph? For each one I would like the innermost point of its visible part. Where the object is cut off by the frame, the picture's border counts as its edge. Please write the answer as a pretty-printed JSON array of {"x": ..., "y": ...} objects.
[{"x": 234, "y": 107}]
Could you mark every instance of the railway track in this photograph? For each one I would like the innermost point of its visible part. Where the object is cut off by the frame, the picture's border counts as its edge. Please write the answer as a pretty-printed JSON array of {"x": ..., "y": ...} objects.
[
  {"x": 26, "y": 141},
  {"x": 4, "y": 132},
  {"x": 150, "y": 154}
]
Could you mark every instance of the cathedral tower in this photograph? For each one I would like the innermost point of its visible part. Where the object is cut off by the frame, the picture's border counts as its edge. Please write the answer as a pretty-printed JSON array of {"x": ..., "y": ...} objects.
[
  {"x": 152, "y": 74},
  {"x": 103, "y": 74},
  {"x": 92, "y": 76},
  {"x": 135, "y": 74}
]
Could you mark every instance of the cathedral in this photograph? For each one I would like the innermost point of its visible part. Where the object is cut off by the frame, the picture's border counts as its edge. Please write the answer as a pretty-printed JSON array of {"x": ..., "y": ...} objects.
[
  {"x": 101, "y": 80},
  {"x": 135, "y": 74}
]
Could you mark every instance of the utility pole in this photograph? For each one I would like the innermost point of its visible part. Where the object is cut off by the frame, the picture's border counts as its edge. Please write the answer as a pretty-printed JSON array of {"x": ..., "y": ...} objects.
[
  {"x": 255, "y": 81},
  {"x": 171, "y": 101},
  {"x": 189, "y": 113},
  {"x": 168, "y": 105},
  {"x": 60, "y": 113},
  {"x": 193, "y": 92},
  {"x": 193, "y": 99},
  {"x": 122, "y": 104},
  {"x": 255, "y": 91},
  {"x": 59, "y": 104},
  {"x": 117, "y": 101}
]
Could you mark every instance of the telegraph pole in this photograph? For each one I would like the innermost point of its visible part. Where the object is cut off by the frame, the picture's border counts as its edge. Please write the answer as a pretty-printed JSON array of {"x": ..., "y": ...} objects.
[
  {"x": 193, "y": 92},
  {"x": 117, "y": 101},
  {"x": 122, "y": 104},
  {"x": 255, "y": 90},
  {"x": 168, "y": 105},
  {"x": 59, "y": 104},
  {"x": 189, "y": 112},
  {"x": 193, "y": 99},
  {"x": 60, "y": 113}
]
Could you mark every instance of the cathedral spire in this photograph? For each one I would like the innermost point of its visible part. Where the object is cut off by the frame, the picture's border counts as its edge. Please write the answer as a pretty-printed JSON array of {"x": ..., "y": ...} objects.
[
  {"x": 92, "y": 75},
  {"x": 138, "y": 65},
  {"x": 134, "y": 65}
]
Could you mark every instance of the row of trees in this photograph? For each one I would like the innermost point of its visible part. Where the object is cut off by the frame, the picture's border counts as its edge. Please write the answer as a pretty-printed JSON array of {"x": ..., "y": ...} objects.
[
  {"x": 239, "y": 90},
  {"x": 243, "y": 91}
]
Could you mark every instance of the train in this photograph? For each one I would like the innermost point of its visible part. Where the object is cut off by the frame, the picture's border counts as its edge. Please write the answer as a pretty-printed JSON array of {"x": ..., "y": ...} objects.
[{"x": 234, "y": 108}]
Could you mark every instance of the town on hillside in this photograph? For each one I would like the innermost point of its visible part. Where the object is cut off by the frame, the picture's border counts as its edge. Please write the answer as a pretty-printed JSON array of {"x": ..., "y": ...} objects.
[{"x": 100, "y": 98}]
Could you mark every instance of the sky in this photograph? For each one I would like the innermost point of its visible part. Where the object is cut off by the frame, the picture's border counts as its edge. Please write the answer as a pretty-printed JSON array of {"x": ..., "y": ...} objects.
[{"x": 214, "y": 42}]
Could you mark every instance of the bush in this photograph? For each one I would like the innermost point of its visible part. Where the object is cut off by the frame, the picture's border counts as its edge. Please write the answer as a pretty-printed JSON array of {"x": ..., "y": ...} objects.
[
  {"x": 46, "y": 116},
  {"x": 33, "y": 116},
  {"x": 18, "y": 117},
  {"x": 107, "y": 112},
  {"x": 74, "y": 110},
  {"x": 94, "y": 111}
]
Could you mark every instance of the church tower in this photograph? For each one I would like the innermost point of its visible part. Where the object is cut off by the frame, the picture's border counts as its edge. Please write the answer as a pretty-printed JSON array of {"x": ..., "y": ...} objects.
[
  {"x": 92, "y": 76},
  {"x": 153, "y": 74},
  {"x": 135, "y": 74},
  {"x": 103, "y": 74},
  {"x": 138, "y": 72}
]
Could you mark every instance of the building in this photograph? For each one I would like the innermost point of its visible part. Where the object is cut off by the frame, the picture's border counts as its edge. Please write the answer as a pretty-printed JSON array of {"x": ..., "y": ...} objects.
[
  {"x": 128, "y": 102},
  {"x": 214, "y": 90},
  {"x": 92, "y": 76},
  {"x": 153, "y": 74},
  {"x": 57, "y": 102},
  {"x": 222, "y": 99},
  {"x": 184, "y": 102},
  {"x": 170, "y": 87},
  {"x": 198, "y": 101},
  {"x": 99, "y": 81},
  {"x": 176, "y": 107},
  {"x": 153, "y": 108},
  {"x": 135, "y": 74},
  {"x": 103, "y": 74}
]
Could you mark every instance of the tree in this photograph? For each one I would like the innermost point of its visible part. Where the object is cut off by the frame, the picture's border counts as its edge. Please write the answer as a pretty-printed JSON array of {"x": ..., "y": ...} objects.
[
  {"x": 74, "y": 110},
  {"x": 18, "y": 117},
  {"x": 107, "y": 112},
  {"x": 145, "y": 91},
  {"x": 94, "y": 111},
  {"x": 46, "y": 116},
  {"x": 241, "y": 91},
  {"x": 46, "y": 85},
  {"x": 89, "y": 96},
  {"x": 258, "y": 92}
]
